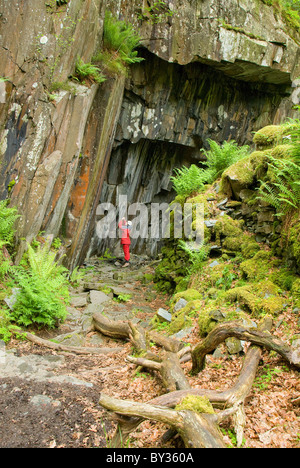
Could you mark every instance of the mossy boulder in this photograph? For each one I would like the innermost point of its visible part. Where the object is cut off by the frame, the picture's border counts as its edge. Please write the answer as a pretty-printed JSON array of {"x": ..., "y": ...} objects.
[
  {"x": 257, "y": 267},
  {"x": 258, "y": 298},
  {"x": 272, "y": 135},
  {"x": 227, "y": 227},
  {"x": 244, "y": 174},
  {"x": 189, "y": 295}
]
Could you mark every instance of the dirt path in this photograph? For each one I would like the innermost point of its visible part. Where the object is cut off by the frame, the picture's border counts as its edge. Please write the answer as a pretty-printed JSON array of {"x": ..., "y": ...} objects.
[{"x": 50, "y": 399}]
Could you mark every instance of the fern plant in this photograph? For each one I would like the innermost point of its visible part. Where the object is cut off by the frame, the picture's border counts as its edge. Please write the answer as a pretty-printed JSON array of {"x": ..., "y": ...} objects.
[
  {"x": 8, "y": 217},
  {"x": 43, "y": 289},
  {"x": 189, "y": 180},
  {"x": 220, "y": 157},
  {"x": 88, "y": 71},
  {"x": 196, "y": 256},
  {"x": 283, "y": 190},
  {"x": 120, "y": 43},
  {"x": 122, "y": 38}
]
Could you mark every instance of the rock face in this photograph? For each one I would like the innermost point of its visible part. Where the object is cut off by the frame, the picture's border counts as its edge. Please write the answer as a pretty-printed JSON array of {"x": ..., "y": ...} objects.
[{"x": 210, "y": 71}]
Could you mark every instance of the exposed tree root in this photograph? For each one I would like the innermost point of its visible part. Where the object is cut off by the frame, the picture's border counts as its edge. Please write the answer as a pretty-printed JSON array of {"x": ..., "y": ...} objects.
[
  {"x": 70, "y": 349},
  {"x": 196, "y": 430}
]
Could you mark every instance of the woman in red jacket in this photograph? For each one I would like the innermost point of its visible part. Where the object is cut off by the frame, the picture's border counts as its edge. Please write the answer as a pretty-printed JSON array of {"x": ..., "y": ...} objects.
[{"x": 125, "y": 227}]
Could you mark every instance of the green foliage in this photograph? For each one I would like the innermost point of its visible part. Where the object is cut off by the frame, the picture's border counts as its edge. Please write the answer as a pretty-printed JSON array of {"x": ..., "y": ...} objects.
[
  {"x": 43, "y": 289},
  {"x": 295, "y": 140},
  {"x": 188, "y": 181},
  {"x": 196, "y": 256},
  {"x": 76, "y": 276},
  {"x": 283, "y": 190},
  {"x": 157, "y": 12},
  {"x": 288, "y": 9},
  {"x": 123, "y": 298},
  {"x": 88, "y": 71},
  {"x": 220, "y": 157},
  {"x": 121, "y": 38},
  {"x": 262, "y": 381},
  {"x": 8, "y": 217}
]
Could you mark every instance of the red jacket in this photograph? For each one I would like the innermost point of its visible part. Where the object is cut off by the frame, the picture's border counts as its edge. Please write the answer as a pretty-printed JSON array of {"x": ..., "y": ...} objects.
[{"x": 125, "y": 233}]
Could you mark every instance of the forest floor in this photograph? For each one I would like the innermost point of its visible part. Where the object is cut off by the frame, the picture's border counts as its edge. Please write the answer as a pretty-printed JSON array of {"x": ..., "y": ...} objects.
[{"x": 49, "y": 399}]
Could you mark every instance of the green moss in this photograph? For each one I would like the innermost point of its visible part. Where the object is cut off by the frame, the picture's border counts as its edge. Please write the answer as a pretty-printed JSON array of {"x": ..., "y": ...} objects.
[
  {"x": 244, "y": 297},
  {"x": 259, "y": 298},
  {"x": 296, "y": 292},
  {"x": 268, "y": 136},
  {"x": 284, "y": 278},
  {"x": 227, "y": 227},
  {"x": 257, "y": 267},
  {"x": 244, "y": 172},
  {"x": 189, "y": 295},
  {"x": 199, "y": 404},
  {"x": 181, "y": 318},
  {"x": 294, "y": 241},
  {"x": 206, "y": 322},
  {"x": 249, "y": 246}
]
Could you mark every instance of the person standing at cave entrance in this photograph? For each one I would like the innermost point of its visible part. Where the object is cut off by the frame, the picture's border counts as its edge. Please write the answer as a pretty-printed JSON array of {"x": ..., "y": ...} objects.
[{"x": 125, "y": 227}]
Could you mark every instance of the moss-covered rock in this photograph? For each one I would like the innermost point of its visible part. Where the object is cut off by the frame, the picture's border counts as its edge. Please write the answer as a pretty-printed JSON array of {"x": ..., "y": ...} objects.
[
  {"x": 244, "y": 173},
  {"x": 227, "y": 227},
  {"x": 256, "y": 268},
  {"x": 189, "y": 295},
  {"x": 272, "y": 135},
  {"x": 296, "y": 292},
  {"x": 258, "y": 298}
]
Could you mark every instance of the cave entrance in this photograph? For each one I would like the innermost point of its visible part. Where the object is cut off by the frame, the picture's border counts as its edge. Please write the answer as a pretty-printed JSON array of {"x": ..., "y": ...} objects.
[{"x": 140, "y": 173}]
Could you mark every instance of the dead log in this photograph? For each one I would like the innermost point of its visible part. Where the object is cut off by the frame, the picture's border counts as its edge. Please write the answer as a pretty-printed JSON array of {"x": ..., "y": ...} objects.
[
  {"x": 196, "y": 430},
  {"x": 111, "y": 328},
  {"x": 70, "y": 349},
  {"x": 253, "y": 335}
]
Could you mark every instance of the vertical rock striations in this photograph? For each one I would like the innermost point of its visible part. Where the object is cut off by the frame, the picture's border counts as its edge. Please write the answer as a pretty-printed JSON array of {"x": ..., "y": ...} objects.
[{"x": 211, "y": 70}]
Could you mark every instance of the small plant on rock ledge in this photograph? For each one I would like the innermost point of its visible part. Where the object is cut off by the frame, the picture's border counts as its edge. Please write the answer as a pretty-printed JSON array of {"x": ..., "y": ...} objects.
[
  {"x": 88, "y": 71},
  {"x": 120, "y": 43}
]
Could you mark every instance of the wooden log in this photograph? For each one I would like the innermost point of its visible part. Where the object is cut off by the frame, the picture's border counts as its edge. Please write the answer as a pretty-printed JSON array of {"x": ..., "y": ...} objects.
[
  {"x": 111, "y": 328},
  {"x": 172, "y": 374},
  {"x": 255, "y": 336},
  {"x": 196, "y": 430},
  {"x": 70, "y": 349}
]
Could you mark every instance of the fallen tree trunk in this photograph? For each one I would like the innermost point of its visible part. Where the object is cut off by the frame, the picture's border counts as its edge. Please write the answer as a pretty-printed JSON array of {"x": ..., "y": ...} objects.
[{"x": 254, "y": 336}]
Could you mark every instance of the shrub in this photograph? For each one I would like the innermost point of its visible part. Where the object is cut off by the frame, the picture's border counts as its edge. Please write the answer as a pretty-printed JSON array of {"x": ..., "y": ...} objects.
[{"x": 42, "y": 289}]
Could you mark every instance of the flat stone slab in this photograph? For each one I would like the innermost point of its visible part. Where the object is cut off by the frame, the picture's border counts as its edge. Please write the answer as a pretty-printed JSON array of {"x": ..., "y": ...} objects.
[
  {"x": 164, "y": 315},
  {"x": 98, "y": 297},
  {"x": 78, "y": 300}
]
